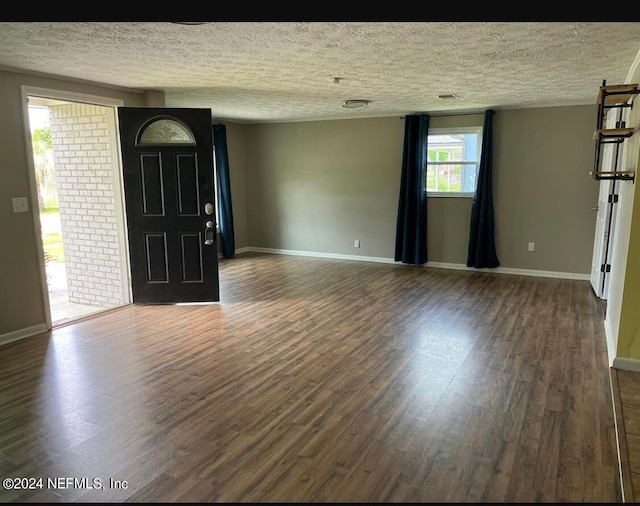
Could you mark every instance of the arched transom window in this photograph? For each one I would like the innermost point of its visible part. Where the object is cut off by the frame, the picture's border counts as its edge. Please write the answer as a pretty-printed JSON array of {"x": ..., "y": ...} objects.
[{"x": 166, "y": 131}]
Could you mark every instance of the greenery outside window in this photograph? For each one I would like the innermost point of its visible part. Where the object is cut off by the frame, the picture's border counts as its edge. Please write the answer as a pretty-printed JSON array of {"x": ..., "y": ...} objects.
[{"x": 453, "y": 159}]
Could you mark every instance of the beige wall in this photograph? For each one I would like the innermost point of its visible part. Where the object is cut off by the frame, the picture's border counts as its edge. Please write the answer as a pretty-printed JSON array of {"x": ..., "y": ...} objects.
[
  {"x": 543, "y": 191},
  {"x": 317, "y": 186},
  {"x": 236, "y": 150}
]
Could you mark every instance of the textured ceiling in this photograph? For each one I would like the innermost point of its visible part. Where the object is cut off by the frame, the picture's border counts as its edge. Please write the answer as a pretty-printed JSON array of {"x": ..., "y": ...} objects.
[{"x": 284, "y": 71}]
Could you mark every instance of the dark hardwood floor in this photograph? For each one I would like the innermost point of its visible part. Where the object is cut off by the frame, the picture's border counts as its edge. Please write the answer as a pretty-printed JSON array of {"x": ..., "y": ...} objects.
[{"x": 320, "y": 380}]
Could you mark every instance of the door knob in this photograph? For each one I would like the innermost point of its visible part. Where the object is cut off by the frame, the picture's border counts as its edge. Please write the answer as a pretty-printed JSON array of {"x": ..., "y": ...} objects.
[{"x": 209, "y": 233}]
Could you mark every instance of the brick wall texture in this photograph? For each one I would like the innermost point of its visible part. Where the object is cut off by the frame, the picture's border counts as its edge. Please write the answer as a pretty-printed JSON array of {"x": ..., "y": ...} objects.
[{"x": 86, "y": 194}]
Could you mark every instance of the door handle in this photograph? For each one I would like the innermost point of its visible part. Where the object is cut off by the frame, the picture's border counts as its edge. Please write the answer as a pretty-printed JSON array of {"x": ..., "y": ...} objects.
[
  {"x": 209, "y": 233},
  {"x": 595, "y": 208}
]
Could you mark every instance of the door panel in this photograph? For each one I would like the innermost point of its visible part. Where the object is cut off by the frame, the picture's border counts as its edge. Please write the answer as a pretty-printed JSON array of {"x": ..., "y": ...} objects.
[
  {"x": 600, "y": 239},
  {"x": 167, "y": 157}
]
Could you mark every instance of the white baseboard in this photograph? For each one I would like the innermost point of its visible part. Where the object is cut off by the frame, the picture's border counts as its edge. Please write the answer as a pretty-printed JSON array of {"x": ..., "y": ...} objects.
[
  {"x": 237, "y": 252},
  {"x": 438, "y": 265},
  {"x": 22, "y": 333},
  {"x": 336, "y": 256},
  {"x": 628, "y": 364},
  {"x": 510, "y": 270}
]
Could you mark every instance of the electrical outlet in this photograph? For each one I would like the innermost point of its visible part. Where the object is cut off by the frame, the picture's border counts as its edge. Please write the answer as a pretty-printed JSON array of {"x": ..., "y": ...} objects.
[
  {"x": 356, "y": 243},
  {"x": 532, "y": 246}
]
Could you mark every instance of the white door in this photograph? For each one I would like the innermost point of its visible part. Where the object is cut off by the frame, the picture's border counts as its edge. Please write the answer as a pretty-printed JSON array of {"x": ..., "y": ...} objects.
[
  {"x": 601, "y": 239},
  {"x": 611, "y": 226}
]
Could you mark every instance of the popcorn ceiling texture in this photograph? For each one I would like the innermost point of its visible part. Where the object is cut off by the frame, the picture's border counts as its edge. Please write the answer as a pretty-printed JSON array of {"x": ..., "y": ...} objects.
[{"x": 284, "y": 71}]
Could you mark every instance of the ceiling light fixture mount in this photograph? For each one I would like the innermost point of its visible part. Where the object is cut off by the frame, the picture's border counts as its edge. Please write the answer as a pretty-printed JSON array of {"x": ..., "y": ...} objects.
[{"x": 354, "y": 104}]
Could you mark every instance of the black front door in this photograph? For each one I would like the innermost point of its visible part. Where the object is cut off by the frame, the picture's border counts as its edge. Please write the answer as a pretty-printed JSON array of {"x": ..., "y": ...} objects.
[{"x": 169, "y": 192}]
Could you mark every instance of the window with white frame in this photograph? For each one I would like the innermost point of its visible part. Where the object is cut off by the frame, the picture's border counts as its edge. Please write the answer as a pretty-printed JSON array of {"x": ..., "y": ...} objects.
[{"x": 453, "y": 158}]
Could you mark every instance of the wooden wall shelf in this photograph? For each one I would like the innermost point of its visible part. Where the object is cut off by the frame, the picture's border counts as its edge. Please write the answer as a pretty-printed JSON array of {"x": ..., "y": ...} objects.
[
  {"x": 613, "y": 133},
  {"x": 617, "y": 94},
  {"x": 620, "y": 97},
  {"x": 624, "y": 175}
]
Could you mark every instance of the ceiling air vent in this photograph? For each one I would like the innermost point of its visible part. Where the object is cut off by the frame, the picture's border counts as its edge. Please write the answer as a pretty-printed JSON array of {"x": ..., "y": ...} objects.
[{"x": 353, "y": 104}]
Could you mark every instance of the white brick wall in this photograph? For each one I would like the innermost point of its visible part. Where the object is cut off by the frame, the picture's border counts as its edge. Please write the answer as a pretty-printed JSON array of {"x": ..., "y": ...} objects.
[{"x": 86, "y": 194}]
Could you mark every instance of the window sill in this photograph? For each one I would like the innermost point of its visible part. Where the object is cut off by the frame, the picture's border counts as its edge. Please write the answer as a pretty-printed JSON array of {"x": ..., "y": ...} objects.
[{"x": 450, "y": 194}]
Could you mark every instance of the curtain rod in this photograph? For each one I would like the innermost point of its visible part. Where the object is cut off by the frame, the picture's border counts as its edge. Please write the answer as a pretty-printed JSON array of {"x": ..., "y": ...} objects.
[{"x": 453, "y": 114}]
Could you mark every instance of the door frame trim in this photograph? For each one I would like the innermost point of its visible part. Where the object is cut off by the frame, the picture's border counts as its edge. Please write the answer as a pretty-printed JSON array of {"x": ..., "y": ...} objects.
[{"x": 54, "y": 94}]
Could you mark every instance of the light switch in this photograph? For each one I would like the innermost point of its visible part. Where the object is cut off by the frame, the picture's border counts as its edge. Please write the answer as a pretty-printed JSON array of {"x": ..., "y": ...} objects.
[{"x": 20, "y": 204}]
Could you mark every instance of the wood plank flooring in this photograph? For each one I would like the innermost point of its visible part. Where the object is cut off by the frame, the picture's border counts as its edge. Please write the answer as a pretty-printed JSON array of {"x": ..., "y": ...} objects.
[
  {"x": 318, "y": 380},
  {"x": 626, "y": 397}
]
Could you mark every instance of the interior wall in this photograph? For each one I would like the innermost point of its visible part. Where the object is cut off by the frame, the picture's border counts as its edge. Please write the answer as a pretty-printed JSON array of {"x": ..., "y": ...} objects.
[
  {"x": 21, "y": 302},
  {"x": 237, "y": 175},
  {"x": 542, "y": 187},
  {"x": 318, "y": 186}
]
